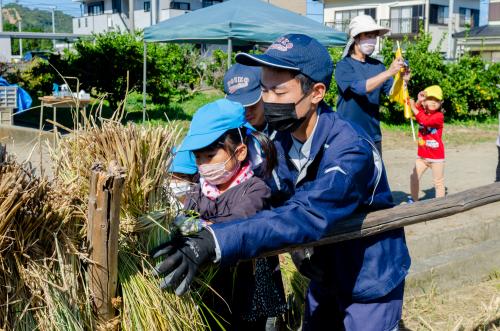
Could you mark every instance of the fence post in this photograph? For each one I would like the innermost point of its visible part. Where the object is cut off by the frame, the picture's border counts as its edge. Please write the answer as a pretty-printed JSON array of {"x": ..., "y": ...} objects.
[{"x": 102, "y": 236}]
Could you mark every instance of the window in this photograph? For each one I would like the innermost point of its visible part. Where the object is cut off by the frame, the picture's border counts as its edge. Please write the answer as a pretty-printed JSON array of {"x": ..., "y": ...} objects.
[
  {"x": 79, "y": 23},
  {"x": 147, "y": 6},
  {"x": 406, "y": 19},
  {"x": 180, "y": 5},
  {"x": 210, "y": 3},
  {"x": 469, "y": 17},
  {"x": 116, "y": 6},
  {"x": 494, "y": 12},
  {"x": 86, "y": 23},
  {"x": 96, "y": 8},
  {"x": 438, "y": 14},
  {"x": 343, "y": 17}
]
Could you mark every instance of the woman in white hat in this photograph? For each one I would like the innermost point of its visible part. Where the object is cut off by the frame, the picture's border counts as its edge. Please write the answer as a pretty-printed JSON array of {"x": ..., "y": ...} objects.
[{"x": 361, "y": 79}]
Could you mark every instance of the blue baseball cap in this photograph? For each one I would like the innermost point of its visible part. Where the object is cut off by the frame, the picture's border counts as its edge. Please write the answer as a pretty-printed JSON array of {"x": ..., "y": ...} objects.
[
  {"x": 242, "y": 84},
  {"x": 296, "y": 52},
  {"x": 212, "y": 121},
  {"x": 183, "y": 163}
]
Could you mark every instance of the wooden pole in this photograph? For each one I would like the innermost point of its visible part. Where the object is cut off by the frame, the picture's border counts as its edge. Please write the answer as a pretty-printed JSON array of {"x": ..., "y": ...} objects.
[
  {"x": 102, "y": 236},
  {"x": 3, "y": 153},
  {"x": 363, "y": 225}
]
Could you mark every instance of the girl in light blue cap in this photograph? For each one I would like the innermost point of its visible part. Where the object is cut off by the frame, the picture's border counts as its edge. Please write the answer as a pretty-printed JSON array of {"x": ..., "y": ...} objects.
[{"x": 219, "y": 135}]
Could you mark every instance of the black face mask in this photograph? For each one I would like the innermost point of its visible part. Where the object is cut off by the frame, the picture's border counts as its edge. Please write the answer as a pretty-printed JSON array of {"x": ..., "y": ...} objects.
[{"x": 283, "y": 116}]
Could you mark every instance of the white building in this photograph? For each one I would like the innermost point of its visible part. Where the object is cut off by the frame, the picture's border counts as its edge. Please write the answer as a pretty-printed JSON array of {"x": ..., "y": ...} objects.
[
  {"x": 115, "y": 15},
  {"x": 483, "y": 40},
  {"x": 404, "y": 17}
]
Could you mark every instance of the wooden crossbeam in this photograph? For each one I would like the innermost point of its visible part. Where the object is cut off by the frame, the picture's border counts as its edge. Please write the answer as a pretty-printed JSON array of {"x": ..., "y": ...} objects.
[{"x": 363, "y": 225}]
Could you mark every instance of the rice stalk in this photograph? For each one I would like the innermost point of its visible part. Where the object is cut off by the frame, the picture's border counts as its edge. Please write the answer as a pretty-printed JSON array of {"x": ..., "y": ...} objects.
[
  {"x": 146, "y": 214},
  {"x": 295, "y": 286},
  {"x": 33, "y": 218}
]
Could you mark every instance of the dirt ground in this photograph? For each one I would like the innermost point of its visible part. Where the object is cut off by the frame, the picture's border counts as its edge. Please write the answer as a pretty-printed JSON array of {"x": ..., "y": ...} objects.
[{"x": 471, "y": 159}]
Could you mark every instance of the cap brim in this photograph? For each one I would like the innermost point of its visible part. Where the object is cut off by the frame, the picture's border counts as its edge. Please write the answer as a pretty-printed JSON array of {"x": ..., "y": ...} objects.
[
  {"x": 263, "y": 60},
  {"x": 246, "y": 99},
  {"x": 196, "y": 142},
  {"x": 183, "y": 170}
]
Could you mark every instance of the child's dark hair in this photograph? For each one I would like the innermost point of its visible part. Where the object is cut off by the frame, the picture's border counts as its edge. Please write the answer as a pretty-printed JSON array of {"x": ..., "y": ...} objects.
[{"x": 231, "y": 139}]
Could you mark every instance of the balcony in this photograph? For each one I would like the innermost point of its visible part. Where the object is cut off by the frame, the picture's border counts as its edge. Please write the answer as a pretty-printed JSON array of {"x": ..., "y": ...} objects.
[
  {"x": 342, "y": 26},
  {"x": 169, "y": 13},
  {"x": 403, "y": 26},
  {"x": 100, "y": 23}
]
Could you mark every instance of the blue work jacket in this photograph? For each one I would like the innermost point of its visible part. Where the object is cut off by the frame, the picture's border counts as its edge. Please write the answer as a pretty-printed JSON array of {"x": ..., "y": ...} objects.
[{"x": 340, "y": 179}]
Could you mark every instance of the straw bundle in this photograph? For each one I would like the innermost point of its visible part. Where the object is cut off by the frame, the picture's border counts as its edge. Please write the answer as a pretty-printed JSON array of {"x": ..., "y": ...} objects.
[
  {"x": 34, "y": 219},
  {"x": 144, "y": 152}
]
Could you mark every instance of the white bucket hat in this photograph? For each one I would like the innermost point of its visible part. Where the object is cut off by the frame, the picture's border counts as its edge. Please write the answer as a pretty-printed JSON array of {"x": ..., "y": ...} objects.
[{"x": 360, "y": 24}]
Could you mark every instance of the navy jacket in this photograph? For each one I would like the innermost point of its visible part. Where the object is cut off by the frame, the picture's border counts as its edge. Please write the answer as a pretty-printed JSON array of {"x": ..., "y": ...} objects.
[
  {"x": 354, "y": 103},
  {"x": 340, "y": 180}
]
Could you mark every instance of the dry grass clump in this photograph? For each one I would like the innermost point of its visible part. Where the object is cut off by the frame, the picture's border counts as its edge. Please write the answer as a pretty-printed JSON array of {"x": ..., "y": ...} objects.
[
  {"x": 145, "y": 153},
  {"x": 35, "y": 221},
  {"x": 475, "y": 307}
]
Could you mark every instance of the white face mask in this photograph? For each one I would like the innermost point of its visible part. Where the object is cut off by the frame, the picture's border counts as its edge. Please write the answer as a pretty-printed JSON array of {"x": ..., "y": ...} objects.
[
  {"x": 367, "y": 46},
  {"x": 180, "y": 188}
]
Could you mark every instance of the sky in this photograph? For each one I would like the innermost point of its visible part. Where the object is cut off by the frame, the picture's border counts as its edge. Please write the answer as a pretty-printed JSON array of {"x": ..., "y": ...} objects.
[{"x": 68, "y": 6}]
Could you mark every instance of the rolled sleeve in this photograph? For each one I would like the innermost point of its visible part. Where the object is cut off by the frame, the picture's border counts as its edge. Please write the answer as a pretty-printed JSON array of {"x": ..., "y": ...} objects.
[{"x": 346, "y": 79}]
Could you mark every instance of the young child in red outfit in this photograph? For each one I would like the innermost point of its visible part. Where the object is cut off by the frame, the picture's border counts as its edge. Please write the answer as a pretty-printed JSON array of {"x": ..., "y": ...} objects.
[{"x": 427, "y": 111}]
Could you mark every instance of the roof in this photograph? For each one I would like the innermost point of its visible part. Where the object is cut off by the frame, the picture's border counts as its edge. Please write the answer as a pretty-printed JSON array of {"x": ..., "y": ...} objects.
[
  {"x": 244, "y": 22},
  {"x": 480, "y": 32}
]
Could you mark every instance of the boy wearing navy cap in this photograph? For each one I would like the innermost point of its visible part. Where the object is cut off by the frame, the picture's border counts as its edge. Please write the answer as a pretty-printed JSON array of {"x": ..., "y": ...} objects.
[
  {"x": 328, "y": 170},
  {"x": 242, "y": 84}
]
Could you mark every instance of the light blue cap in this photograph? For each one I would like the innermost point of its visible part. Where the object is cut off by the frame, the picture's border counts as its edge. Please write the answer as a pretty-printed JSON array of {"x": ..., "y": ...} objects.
[
  {"x": 183, "y": 163},
  {"x": 212, "y": 121}
]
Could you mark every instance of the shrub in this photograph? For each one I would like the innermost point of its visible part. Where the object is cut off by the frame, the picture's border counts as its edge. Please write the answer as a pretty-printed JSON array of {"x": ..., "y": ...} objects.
[
  {"x": 103, "y": 65},
  {"x": 470, "y": 85}
]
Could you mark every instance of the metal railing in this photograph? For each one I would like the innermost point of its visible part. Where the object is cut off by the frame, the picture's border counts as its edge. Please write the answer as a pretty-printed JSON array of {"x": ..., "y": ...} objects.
[
  {"x": 342, "y": 26},
  {"x": 403, "y": 25}
]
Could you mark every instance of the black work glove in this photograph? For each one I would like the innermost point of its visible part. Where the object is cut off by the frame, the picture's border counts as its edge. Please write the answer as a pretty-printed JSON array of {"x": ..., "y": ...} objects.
[
  {"x": 306, "y": 262},
  {"x": 184, "y": 257}
]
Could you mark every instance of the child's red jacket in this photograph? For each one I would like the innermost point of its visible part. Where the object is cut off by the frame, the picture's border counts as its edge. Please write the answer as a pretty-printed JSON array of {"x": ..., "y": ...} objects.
[{"x": 430, "y": 142}]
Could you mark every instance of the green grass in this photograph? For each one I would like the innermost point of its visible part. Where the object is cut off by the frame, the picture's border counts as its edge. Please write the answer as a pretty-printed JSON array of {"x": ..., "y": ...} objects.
[
  {"x": 176, "y": 111},
  {"x": 455, "y": 133},
  {"x": 489, "y": 125}
]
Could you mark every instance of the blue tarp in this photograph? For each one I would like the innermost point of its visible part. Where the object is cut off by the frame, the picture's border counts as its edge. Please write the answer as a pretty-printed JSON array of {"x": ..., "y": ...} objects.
[
  {"x": 23, "y": 98},
  {"x": 244, "y": 21}
]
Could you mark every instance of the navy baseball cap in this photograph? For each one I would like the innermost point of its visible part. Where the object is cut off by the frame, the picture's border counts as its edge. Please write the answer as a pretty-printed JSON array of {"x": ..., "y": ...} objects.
[
  {"x": 183, "y": 163},
  {"x": 242, "y": 84},
  {"x": 296, "y": 52},
  {"x": 212, "y": 121}
]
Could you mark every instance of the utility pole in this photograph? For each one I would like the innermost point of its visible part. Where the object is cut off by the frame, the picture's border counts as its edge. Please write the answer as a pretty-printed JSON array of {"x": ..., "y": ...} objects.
[
  {"x": 1, "y": 16},
  {"x": 20, "y": 40},
  {"x": 131, "y": 10},
  {"x": 450, "y": 29},
  {"x": 53, "y": 26}
]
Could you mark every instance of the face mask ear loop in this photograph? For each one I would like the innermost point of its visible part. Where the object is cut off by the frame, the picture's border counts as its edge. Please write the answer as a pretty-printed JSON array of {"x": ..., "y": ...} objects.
[{"x": 241, "y": 137}]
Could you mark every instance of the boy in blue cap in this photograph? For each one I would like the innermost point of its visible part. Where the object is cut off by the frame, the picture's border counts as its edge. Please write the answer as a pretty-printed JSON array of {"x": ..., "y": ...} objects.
[
  {"x": 242, "y": 84},
  {"x": 328, "y": 170}
]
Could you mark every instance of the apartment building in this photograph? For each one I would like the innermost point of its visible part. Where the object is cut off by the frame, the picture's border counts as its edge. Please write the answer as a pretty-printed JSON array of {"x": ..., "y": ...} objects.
[
  {"x": 404, "y": 17},
  {"x": 125, "y": 15},
  {"x": 116, "y": 15},
  {"x": 483, "y": 40}
]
